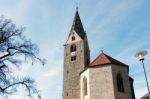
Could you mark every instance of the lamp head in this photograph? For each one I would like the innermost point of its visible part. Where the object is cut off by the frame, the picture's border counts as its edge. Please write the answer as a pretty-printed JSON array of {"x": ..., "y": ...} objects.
[{"x": 141, "y": 54}]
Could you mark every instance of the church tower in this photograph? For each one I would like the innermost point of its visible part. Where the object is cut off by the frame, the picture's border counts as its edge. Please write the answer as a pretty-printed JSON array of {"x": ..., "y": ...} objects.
[
  {"x": 104, "y": 78},
  {"x": 76, "y": 58}
]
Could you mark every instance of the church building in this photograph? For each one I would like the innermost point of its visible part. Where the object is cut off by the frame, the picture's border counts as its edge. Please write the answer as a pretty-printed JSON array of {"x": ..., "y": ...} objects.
[{"x": 104, "y": 78}]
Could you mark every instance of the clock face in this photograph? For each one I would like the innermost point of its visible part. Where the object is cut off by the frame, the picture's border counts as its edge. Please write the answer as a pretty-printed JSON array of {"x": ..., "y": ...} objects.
[{"x": 73, "y": 53}]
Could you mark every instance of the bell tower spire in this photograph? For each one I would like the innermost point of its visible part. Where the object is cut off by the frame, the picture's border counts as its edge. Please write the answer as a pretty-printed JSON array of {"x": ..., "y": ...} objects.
[
  {"x": 76, "y": 58},
  {"x": 77, "y": 25}
]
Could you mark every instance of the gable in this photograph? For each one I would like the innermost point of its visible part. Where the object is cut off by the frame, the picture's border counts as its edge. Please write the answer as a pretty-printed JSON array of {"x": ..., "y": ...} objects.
[
  {"x": 103, "y": 59},
  {"x": 77, "y": 38}
]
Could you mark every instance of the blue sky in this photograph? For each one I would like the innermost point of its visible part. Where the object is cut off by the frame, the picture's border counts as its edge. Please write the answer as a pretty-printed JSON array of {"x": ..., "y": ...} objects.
[{"x": 119, "y": 27}]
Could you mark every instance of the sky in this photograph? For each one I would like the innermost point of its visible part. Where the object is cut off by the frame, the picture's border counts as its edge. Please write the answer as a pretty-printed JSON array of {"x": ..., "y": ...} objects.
[{"x": 119, "y": 27}]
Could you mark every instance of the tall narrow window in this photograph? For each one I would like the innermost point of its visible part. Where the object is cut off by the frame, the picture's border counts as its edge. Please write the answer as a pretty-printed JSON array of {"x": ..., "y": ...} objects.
[
  {"x": 73, "y": 48},
  {"x": 120, "y": 83},
  {"x": 73, "y": 38},
  {"x": 85, "y": 91}
]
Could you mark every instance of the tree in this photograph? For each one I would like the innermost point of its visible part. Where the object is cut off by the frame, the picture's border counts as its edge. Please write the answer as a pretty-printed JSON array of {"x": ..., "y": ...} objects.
[{"x": 15, "y": 49}]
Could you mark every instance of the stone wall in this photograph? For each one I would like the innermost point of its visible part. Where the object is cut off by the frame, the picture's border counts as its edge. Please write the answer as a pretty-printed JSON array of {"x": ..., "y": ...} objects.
[
  {"x": 101, "y": 82},
  {"x": 123, "y": 70},
  {"x": 72, "y": 69}
]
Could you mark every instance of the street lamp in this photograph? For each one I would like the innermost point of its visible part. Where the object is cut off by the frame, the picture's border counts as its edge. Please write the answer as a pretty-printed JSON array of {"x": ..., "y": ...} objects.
[{"x": 141, "y": 55}]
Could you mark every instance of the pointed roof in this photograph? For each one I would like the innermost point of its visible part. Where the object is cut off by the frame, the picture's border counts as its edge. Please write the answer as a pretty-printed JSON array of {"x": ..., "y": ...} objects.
[
  {"x": 77, "y": 25},
  {"x": 104, "y": 59}
]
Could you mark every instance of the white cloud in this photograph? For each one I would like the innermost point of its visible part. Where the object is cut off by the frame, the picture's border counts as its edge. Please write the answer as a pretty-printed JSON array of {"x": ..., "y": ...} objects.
[{"x": 109, "y": 14}]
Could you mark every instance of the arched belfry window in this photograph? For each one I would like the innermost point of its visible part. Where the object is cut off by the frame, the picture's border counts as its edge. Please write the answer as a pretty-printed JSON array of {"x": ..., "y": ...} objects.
[
  {"x": 73, "y": 38},
  {"x": 73, "y": 58},
  {"x": 85, "y": 91},
  {"x": 73, "y": 48},
  {"x": 120, "y": 83}
]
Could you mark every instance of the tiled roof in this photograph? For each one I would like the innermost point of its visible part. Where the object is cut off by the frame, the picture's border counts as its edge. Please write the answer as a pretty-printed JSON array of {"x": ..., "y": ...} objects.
[
  {"x": 103, "y": 59},
  {"x": 77, "y": 26}
]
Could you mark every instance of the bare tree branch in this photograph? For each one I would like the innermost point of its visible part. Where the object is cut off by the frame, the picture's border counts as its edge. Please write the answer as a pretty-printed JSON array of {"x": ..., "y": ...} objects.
[{"x": 14, "y": 44}]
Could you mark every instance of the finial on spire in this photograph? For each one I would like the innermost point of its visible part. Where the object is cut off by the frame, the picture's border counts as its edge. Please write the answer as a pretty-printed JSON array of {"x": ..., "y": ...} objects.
[{"x": 76, "y": 6}]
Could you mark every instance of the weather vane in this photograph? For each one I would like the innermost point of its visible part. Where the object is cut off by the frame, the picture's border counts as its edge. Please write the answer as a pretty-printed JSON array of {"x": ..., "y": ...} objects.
[{"x": 102, "y": 51}]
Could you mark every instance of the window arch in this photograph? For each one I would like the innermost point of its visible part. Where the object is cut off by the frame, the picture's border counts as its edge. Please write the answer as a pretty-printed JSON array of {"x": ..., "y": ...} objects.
[
  {"x": 85, "y": 91},
  {"x": 73, "y": 48},
  {"x": 120, "y": 83}
]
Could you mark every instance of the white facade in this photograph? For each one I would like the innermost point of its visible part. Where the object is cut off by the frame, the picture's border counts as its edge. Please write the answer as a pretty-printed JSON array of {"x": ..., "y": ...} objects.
[
  {"x": 99, "y": 83},
  {"x": 102, "y": 82}
]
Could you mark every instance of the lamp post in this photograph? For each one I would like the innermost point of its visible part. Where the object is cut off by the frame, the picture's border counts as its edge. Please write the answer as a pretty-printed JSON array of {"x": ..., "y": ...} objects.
[{"x": 141, "y": 55}]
